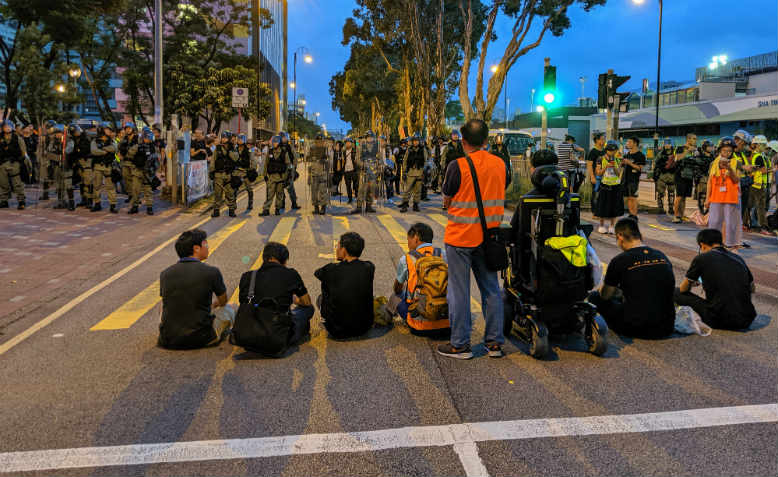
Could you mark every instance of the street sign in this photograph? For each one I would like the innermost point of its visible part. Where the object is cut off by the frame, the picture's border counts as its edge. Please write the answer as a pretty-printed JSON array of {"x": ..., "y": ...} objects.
[{"x": 240, "y": 97}]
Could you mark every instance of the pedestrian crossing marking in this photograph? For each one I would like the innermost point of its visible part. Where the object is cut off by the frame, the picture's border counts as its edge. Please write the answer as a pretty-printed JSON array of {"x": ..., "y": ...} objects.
[
  {"x": 439, "y": 218},
  {"x": 659, "y": 227},
  {"x": 344, "y": 222},
  {"x": 129, "y": 313},
  {"x": 281, "y": 234},
  {"x": 398, "y": 233}
]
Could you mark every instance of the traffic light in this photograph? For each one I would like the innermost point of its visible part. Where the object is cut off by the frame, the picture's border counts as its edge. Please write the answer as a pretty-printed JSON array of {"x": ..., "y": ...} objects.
[
  {"x": 602, "y": 91},
  {"x": 607, "y": 84},
  {"x": 549, "y": 84}
]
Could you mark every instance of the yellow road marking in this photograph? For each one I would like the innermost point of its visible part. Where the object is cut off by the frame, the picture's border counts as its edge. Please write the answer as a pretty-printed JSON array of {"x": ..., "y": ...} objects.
[
  {"x": 281, "y": 234},
  {"x": 129, "y": 313},
  {"x": 399, "y": 234},
  {"x": 344, "y": 222},
  {"x": 439, "y": 218},
  {"x": 659, "y": 227}
]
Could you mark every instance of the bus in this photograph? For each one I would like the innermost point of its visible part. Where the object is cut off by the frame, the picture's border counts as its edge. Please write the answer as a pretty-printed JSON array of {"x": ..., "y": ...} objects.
[{"x": 520, "y": 143}]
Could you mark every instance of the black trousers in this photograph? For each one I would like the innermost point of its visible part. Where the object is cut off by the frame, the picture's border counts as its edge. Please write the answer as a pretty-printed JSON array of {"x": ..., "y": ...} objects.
[
  {"x": 706, "y": 312},
  {"x": 613, "y": 312},
  {"x": 352, "y": 183}
]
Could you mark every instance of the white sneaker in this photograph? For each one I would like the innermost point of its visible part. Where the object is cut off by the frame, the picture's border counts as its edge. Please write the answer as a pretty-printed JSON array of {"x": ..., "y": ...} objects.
[
  {"x": 611, "y": 230},
  {"x": 601, "y": 229}
]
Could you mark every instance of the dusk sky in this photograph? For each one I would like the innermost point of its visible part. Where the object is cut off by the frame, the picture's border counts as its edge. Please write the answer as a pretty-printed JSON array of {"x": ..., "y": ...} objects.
[{"x": 620, "y": 35}]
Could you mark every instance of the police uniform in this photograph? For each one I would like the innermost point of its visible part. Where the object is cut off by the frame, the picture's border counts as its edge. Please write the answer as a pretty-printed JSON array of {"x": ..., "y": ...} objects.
[
  {"x": 318, "y": 174},
  {"x": 223, "y": 166},
  {"x": 701, "y": 178},
  {"x": 144, "y": 165},
  {"x": 45, "y": 172},
  {"x": 276, "y": 172},
  {"x": 292, "y": 161},
  {"x": 759, "y": 189},
  {"x": 128, "y": 147},
  {"x": 83, "y": 164},
  {"x": 241, "y": 173},
  {"x": 62, "y": 172},
  {"x": 664, "y": 178},
  {"x": 103, "y": 150},
  {"x": 12, "y": 153},
  {"x": 370, "y": 165},
  {"x": 414, "y": 160}
]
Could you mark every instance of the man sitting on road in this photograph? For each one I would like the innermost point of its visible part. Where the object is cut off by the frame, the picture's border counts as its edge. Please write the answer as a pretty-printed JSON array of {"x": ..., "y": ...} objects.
[
  {"x": 645, "y": 277},
  {"x": 727, "y": 282},
  {"x": 186, "y": 289},
  {"x": 277, "y": 281},
  {"x": 346, "y": 302}
]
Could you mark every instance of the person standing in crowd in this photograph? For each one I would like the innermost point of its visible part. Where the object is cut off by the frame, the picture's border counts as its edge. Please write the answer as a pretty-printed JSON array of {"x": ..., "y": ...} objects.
[
  {"x": 414, "y": 160},
  {"x": 438, "y": 150},
  {"x": 610, "y": 198},
  {"x": 664, "y": 177},
  {"x": 199, "y": 150},
  {"x": 291, "y": 158},
  {"x": 223, "y": 166},
  {"x": 633, "y": 162},
  {"x": 31, "y": 145},
  {"x": 276, "y": 169},
  {"x": 128, "y": 145},
  {"x": 77, "y": 151},
  {"x": 723, "y": 193},
  {"x": 592, "y": 159},
  {"x": 727, "y": 282},
  {"x": 370, "y": 164},
  {"x": 145, "y": 161},
  {"x": 464, "y": 237},
  {"x": 399, "y": 154},
  {"x": 62, "y": 169},
  {"x": 242, "y": 170},
  {"x": 350, "y": 172},
  {"x": 701, "y": 175},
  {"x": 318, "y": 175},
  {"x": 103, "y": 151},
  {"x": 390, "y": 170},
  {"x": 13, "y": 152},
  {"x": 337, "y": 167},
  {"x": 760, "y": 188},
  {"x": 686, "y": 160},
  {"x": 454, "y": 149},
  {"x": 500, "y": 149},
  {"x": 568, "y": 159},
  {"x": 642, "y": 311},
  {"x": 45, "y": 173},
  {"x": 346, "y": 302},
  {"x": 189, "y": 318},
  {"x": 740, "y": 154}
]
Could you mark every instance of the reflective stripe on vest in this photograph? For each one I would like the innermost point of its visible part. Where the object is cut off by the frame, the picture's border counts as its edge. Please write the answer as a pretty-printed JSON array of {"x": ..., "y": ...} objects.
[
  {"x": 759, "y": 178},
  {"x": 614, "y": 179},
  {"x": 464, "y": 225}
]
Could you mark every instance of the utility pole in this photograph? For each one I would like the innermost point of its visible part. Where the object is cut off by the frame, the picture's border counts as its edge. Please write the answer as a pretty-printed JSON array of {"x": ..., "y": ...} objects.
[
  {"x": 158, "y": 98},
  {"x": 609, "y": 113}
]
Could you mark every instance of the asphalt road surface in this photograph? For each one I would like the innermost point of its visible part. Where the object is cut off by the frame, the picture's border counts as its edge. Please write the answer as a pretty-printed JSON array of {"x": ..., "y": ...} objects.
[{"x": 85, "y": 391}]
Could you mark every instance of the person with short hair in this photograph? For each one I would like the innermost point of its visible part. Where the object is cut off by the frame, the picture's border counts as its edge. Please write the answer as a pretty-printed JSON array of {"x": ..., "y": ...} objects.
[
  {"x": 723, "y": 194},
  {"x": 633, "y": 162},
  {"x": 186, "y": 289},
  {"x": 277, "y": 281},
  {"x": 610, "y": 198},
  {"x": 464, "y": 238},
  {"x": 346, "y": 300},
  {"x": 592, "y": 159},
  {"x": 568, "y": 161},
  {"x": 644, "y": 276},
  {"x": 727, "y": 282},
  {"x": 686, "y": 159}
]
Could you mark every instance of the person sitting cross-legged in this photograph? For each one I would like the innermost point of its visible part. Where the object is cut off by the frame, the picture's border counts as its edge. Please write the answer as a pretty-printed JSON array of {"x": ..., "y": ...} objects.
[
  {"x": 186, "y": 289},
  {"x": 346, "y": 302},
  {"x": 727, "y": 282},
  {"x": 645, "y": 278}
]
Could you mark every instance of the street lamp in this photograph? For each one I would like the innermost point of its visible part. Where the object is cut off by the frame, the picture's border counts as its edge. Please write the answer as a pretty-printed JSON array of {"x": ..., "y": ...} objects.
[
  {"x": 532, "y": 99},
  {"x": 59, "y": 88},
  {"x": 74, "y": 72},
  {"x": 308, "y": 59},
  {"x": 717, "y": 61},
  {"x": 292, "y": 85},
  {"x": 317, "y": 114},
  {"x": 658, "y": 76}
]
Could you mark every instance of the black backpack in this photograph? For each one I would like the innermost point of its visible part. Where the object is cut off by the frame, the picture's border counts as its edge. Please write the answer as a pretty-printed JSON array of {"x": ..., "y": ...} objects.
[
  {"x": 264, "y": 327},
  {"x": 559, "y": 281}
]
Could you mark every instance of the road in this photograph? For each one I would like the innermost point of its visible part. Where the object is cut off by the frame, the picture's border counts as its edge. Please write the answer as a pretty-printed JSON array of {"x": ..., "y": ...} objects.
[{"x": 85, "y": 390}]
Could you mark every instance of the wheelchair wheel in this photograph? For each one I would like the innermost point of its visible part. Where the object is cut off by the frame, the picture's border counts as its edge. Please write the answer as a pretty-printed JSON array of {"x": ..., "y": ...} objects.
[
  {"x": 538, "y": 343},
  {"x": 596, "y": 335},
  {"x": 509, "y": 311}
]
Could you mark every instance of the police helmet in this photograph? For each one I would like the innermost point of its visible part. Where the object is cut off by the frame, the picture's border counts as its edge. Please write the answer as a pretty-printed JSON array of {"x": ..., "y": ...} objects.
[
  {"x": 668, "y": 142},
  {"x": 75, "y": 129},
  {"x": 726, "y": 141},
  {"x": 148, "y": 133},
  {"x": 226, "y": 134},
  {"x": 350, "y": 139},
  {"x": 773, "y": 145},
  {"x": 242, "y": 138},
  {"x": 455, "y": 133},
  {"x": 50, "y": 123},
  {"x": 706, "y": 143},
  {"x": 319, "y": 137},
  {"x": 742, "y": 135},
  {"x": 284, "y": 135},
  {"x": 275, "y": 140},
  {"x": 107, "y": 125},
  {"x": 370, "y": 133},
  {"x": 759, "y": 139},
  {"x": 543, "y": 157},
  {"x": 58, "y": 128},
  {"x": 611, "y": 145},
  {"x": 10, "y": 124},
  {"x": 131, "y": 125}
]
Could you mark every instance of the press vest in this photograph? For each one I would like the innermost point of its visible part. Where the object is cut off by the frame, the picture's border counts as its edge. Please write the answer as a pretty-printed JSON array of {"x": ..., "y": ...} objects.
[
  {"x": 464, "y": 226},
  {"x": 759, "y": 178},
  {"x": 612, "y": 178}
]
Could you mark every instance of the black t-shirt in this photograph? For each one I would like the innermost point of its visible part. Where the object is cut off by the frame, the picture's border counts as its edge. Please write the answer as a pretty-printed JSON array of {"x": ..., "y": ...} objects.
[
  {"x": 186, "y": 289},
  {"x": 347, "y": 297},
  {"x": 645, "y": 276},
  {"x": 273, "y": 281},
  {"x": 200, "y": 156},
  {"x": 595, "y": 156},
  {"x": 631, "y": 175},
  {"x": 687, "y": 165},
  {"x": 726, "y": 280}
]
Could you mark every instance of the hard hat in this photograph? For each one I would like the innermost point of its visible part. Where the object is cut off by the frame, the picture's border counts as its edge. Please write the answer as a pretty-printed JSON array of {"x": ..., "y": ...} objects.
[
  {"x": 50, "y": 123},
  {"x": 58, "y": 128},
  {"x": 455, "y": 133},
  {"x": 743, "y": 135},
  {"x": 726, "y": 141},
  {"x": 612, "y": 145},
  {"x": 668, "y": 142},
  {"x": 107, "y": 125},
  {"x": 706, "y": 143},
  {"x": 773, "y": 145},
  {"x": 131, "y": 125},
  {"x": 369, "y": 133},
  {"x": 759, "y": 139}
]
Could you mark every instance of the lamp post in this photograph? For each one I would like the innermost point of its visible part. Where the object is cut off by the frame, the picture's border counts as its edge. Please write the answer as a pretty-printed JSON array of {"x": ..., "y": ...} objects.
[
  {"x": 658, "y": 77},
  {"x": 308, "y": 59},
  {"x": 532, "y": 99}
]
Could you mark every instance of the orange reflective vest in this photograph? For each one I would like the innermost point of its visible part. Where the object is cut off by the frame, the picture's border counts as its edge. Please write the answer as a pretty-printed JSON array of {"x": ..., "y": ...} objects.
[
  {"x": 464, "y": 225},
  {"x": 419, "y": 323}
]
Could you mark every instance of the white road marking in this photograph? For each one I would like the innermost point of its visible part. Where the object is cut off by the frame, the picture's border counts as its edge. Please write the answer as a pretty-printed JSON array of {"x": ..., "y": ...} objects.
[
  {"x": 80, "y": 298},
  {"x": 17, "y": 298},
  {"x": 57, "y": 335},
  {"x": 457, "y": 435},
  {"x": 5, "y": 270}
]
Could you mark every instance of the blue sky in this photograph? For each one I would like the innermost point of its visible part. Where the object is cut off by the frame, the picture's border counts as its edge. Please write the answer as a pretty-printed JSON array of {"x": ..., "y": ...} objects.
[{"x": 619, "y": 35}]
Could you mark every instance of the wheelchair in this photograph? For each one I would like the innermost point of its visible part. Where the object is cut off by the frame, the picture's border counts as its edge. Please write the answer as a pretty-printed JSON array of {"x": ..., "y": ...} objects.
[{"x": 537, "y": 300}]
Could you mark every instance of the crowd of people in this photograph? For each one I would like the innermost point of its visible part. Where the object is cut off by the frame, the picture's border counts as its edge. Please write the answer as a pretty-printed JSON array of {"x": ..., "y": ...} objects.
[{"x": 431, "y": 289}]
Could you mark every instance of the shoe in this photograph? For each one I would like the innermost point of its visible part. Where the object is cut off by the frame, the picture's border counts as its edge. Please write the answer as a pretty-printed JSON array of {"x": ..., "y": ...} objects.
[
  {"x": 295, "y": 206},
  {"x": 82, "y": 203},
  {"x": 357, "y": 210},
  {"x": 133, "y": 210},
  {"x": 611, "y": 230},
  {"x": 745, "y": 228},
  {"x": 215, "y": 213},
  {"x": 113, "y": 209},
  {"x": 96, "y": 208},
  {"x": 633, "y": 217},
  {"x": 370, "y": 210},
  {"x": 21, "y": 205},
  {"x": 231, "y": 213},
  {"x": 149, "y": 211},
  {"x": 677, "y": 220},
  {"x": 264, "y": 213},
  {"x": 277, "y": 212},
  {"x": 60, "y": 205},
  {"x": 324, "y": 210},
  {"x": 601, "y": 229},
  {"x": 350, "y": 201},
  {"x": 451, "y": 352},
  {"x": 494, "y": 349},
  {"x": 250, "y": 206},
  {"x": 660, "y": 211},
  {"x": 90, "y": 203},
  {"x": 71, "y": 205},
  {"x": 4, "y": 204},
  {"x": 416, "y": 207},
  {"x": 767, "y": 233},
  {"x": 45, "y": 196}
]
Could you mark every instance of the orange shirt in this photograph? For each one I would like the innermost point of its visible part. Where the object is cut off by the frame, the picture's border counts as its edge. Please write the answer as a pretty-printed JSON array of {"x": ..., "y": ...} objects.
[{"x": 725, "y": 189}]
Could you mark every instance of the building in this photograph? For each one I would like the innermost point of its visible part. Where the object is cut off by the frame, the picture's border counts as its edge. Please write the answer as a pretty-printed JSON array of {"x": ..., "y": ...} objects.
[{"x": 270, "y": 45}]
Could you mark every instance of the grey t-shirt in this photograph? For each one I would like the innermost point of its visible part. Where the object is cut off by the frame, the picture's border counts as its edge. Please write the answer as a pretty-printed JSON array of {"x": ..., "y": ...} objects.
[{"x": 186, "y": 289}]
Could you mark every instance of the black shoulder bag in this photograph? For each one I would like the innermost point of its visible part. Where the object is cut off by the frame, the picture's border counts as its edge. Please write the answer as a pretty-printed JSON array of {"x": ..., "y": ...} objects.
[
  {"x": 264, "y": 327},
  {"x": 495, "y": 253}
]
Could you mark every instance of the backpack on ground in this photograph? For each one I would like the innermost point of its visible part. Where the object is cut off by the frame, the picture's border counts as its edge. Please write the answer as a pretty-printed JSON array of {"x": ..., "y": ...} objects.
[
  {"x": 263, "y": 326},
  {"x": 429, "y": 294}
]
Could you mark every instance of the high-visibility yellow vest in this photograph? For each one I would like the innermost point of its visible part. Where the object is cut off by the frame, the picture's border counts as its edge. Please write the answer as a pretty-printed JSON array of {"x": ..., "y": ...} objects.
[
  {"x": 759, "y": 178},
  {"x": 612, "y": 177}
]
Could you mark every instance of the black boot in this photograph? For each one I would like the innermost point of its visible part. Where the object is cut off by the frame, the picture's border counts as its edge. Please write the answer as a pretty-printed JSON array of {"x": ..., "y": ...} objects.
[
  {"x": 82, "y": 193},
  {"x": 357, "y": 210},
  {"x": 71, "y": 205},
  {"x": 133, "y": 210},
  {"x": 323, "y": 210},
  {"x": 370, "y": 210},
  {"x": 415, "y": 207},
  {"x": 404, "y": 207},
  {"x": 89, "y": 203},
  {"x": 3, "y": 204},
  {"x": 264, "y": 213},
  {"x": 45, "y": 191},
  {"x": 97, "y": 207},
  {"x": 250, "y": 205},
  {"x": 21, "y": 205},
  {"x": 215, "y": 213},
  {"x": 277, "y": 212},
  {"x": 295, "y": 206},
  {"x": 231, "y": 213},
  {"x": 60, "y": 205},
  {"x": 113, "y": 209},
  {"x": 149, "y": 210}
]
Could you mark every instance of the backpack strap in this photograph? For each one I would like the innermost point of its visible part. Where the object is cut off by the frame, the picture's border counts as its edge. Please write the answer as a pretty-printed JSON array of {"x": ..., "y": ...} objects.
[
  {"x": 415, "y": 254},
  {"x": 436, "y": 252},
  {"x": 251, "y": 286}
]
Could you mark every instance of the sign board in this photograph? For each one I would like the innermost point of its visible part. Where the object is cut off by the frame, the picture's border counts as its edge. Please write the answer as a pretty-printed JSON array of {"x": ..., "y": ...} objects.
[
  {"x": 197, "y": 183},
  {"x": 240, "y": 97}
]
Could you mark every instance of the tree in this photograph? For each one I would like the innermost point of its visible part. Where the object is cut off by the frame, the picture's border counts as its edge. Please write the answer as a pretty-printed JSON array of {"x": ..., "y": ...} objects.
[
  {"x": 525, "y": 13},
  {"x": 454, "y": 111}
]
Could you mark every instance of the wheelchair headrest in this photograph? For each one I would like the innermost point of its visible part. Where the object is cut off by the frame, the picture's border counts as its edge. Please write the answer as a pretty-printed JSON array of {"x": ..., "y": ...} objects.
[{"x": 551, "y": 182}]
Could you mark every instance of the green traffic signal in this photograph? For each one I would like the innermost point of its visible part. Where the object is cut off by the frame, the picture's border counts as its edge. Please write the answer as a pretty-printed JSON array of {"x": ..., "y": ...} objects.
[{"x": 549, "y": 97}]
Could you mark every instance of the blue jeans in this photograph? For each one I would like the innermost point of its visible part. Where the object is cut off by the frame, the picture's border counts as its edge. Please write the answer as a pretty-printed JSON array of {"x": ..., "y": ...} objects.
[
  {"x": 460, "y": 261},
  {"x": 301, "y": 319}
]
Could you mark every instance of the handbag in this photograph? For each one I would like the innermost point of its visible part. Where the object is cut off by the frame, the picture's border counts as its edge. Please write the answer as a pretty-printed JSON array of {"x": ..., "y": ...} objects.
[
  {"x": 493, "y": 246},
  {"x": 264, "y": 327}
]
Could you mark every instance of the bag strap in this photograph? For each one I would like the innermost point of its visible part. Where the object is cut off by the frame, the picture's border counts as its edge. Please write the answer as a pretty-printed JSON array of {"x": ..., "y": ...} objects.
[
  {"x": 251, "y": 285},
  {"x": 478, "y": 198}
]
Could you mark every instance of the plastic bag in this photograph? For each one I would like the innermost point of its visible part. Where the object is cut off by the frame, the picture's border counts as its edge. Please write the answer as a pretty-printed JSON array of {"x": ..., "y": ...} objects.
[
  {"x": 688, "y": 322},
  {"x": 381, "y": 315},
  {"x": 698, "y": 218},
  {"x": 594, "y": 260}
]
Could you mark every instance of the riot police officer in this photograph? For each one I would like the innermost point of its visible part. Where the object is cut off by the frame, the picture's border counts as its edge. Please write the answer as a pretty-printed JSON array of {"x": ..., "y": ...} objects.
[
  {"x": 145, "y": 161},
  {"x": 370, "y": 163},
  {"x": 414, "y": 161},
  {"x": 704, "y": 161},
  {"x": 276, "y": 170},
  {"x": 224, "y": 158},
  {"x": 318, "y": 175},
  {"x": 128, "y": 146},
  {"x": 291, "y": 157},
  {"x": 31, "y": 144},
  {"x": 61, "y": 168},
  {"x": 103, "y": 152},
  {"x": 454, "y": 150},
  {"x": 77, "y": 152},
  {"x": 399, "y": 154},
  {"x": 244, "y": 174},
  {"x": 45, "y": 172},
  {"x": 664, "y": 177},
  {"x": 13, "y": 152}
]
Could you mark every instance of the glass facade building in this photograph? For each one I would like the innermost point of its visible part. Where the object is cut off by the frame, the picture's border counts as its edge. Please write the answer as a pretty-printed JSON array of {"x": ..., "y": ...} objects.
[{"x": 272, "y": 60}]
